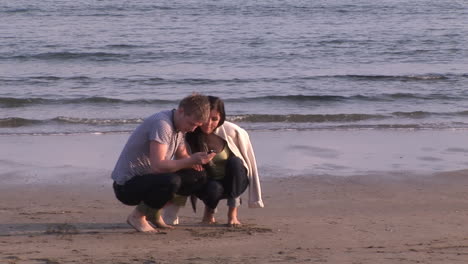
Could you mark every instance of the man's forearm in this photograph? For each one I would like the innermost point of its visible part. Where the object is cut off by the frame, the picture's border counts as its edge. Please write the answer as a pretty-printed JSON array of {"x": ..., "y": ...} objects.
[{"x": 164, "y": 166}]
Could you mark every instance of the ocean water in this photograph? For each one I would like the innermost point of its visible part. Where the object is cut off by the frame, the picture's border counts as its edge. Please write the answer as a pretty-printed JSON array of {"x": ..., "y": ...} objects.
[{"x": 88, "y": 66}]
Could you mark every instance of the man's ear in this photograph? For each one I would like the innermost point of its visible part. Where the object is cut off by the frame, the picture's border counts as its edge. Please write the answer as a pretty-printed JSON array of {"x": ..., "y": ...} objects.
[{"x": 180, "y": 111}]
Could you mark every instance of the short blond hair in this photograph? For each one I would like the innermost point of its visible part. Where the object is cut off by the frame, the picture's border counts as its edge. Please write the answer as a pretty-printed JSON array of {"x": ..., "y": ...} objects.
[{"x": 197, "y": 106}]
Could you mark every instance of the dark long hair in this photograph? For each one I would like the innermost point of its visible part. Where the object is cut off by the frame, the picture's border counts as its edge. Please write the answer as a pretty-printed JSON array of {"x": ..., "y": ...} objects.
[{"x": 195, "y": 139}]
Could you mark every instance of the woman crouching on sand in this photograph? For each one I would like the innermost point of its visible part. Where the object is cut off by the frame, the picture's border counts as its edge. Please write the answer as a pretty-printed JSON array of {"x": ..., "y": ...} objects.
[{"x": 230, "y": 172}]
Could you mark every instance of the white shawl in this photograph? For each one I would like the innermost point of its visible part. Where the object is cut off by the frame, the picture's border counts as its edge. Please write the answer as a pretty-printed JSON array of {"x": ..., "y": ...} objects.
[{"x": 239, "y": 143}]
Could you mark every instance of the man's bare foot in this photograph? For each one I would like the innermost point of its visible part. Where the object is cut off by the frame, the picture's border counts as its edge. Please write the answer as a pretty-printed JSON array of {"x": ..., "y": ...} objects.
[
  {"x": 137, "y": 220},
  {"x": 232, "y": 217},
  {"x": 208, "y": 216}
]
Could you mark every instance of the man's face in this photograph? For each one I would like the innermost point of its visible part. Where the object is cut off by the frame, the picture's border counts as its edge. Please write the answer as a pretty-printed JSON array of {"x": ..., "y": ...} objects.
[{"x": 188, "y": 123}]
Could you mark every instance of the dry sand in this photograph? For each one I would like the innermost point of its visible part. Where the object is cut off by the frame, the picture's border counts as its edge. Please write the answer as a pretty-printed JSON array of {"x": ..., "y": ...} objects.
[{"x": 391, "y": 218}]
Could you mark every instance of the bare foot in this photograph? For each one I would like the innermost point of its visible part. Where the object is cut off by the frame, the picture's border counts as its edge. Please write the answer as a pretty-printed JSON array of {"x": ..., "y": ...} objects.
[
  {"x": 232, "y": 217},
  {"x": 157, "y": 220},
  {"x": 208, "y": 216},
  {"x": 137, "y": 220}
]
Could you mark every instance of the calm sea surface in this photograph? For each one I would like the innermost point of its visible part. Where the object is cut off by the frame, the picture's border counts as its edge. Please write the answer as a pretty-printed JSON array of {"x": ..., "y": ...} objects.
[{"x": 82, "y": 66}]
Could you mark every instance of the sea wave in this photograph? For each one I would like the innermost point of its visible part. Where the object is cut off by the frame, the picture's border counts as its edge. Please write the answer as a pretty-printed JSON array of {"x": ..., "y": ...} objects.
[
  {"x": 19, "y": 10},
  {"x": 341, "y": 118},
  {"x": 13, "y": 102},
  {"x": 250, "y": 118},
  {"x": 67, "y": 125},
  {"x": 453, "y": 126},
  {"x": 82, "y": 10},
  {"x": 12, "y": 122},
  {"x": 382, "y": 77},
  {"x": 18, "y": 122},
  {"x": 63, "y": 56},
  {"x": 155, "y": 80},
  {"x": 358, "y": 97},
  {"x": 10, "y": 102},
  {"x": 398, "y": 77},
  {"x": 244, "y": 118},
  {"x": 297, "y": 118},
  {"x": 247, "y": 118}
]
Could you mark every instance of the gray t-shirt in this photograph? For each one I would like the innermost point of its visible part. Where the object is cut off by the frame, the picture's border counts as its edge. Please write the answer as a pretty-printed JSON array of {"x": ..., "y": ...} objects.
[{"x": 134, "y": 159}]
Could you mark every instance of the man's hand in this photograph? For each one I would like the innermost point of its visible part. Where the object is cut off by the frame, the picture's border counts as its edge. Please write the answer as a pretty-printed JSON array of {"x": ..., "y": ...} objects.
[
  {"x": 200, "y": 158},
  {"x": 197, "y": 167}
]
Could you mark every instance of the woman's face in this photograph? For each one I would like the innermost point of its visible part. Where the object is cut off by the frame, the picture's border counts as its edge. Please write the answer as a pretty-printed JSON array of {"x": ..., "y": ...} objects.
[{"x": 212, "y": 123}]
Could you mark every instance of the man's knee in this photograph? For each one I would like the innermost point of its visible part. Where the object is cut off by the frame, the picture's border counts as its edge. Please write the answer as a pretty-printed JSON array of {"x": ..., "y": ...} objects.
[
  {"x": 190, "y": 176},
  {"x": 174, "y": 182},
  {"x": 125, "y": 197},
  {"x": 192, "y": 181}
]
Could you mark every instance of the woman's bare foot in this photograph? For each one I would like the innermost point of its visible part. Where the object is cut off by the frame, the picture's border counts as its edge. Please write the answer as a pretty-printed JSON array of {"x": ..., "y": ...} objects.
[
  {"x": 137, "y": 220},
  {"x": 208, "y": 216},
  {"x": 156, "y": 219},
  {"x": 232, "y": 217}
]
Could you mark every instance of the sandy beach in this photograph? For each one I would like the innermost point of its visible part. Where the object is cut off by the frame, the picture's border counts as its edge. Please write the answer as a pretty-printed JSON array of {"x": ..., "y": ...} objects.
[
  {"x": 357, "y": 112},
  {"x": 61, "y": 209}
]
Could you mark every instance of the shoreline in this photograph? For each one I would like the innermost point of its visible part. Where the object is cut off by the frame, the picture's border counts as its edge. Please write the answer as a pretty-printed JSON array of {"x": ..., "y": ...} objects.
[{"x": 51, "y": 159}]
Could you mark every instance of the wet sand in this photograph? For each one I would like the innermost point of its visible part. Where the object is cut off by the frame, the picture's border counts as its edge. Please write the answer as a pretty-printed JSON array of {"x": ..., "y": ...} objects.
[{"x": 62, "y": 210}]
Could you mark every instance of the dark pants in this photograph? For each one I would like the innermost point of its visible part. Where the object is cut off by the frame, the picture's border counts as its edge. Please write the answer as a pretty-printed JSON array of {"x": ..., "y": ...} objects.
[
  {"x": 155, "y": 190},
  {"x": 233, "y": 184}
]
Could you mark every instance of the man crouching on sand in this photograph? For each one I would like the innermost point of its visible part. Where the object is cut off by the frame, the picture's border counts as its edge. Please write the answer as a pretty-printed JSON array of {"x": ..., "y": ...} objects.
[{"x": 155, "y": 165}]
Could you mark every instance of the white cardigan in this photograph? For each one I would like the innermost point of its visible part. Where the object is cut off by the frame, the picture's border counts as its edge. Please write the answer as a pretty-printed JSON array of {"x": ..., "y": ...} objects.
[{"x": 239, "y": 143}]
